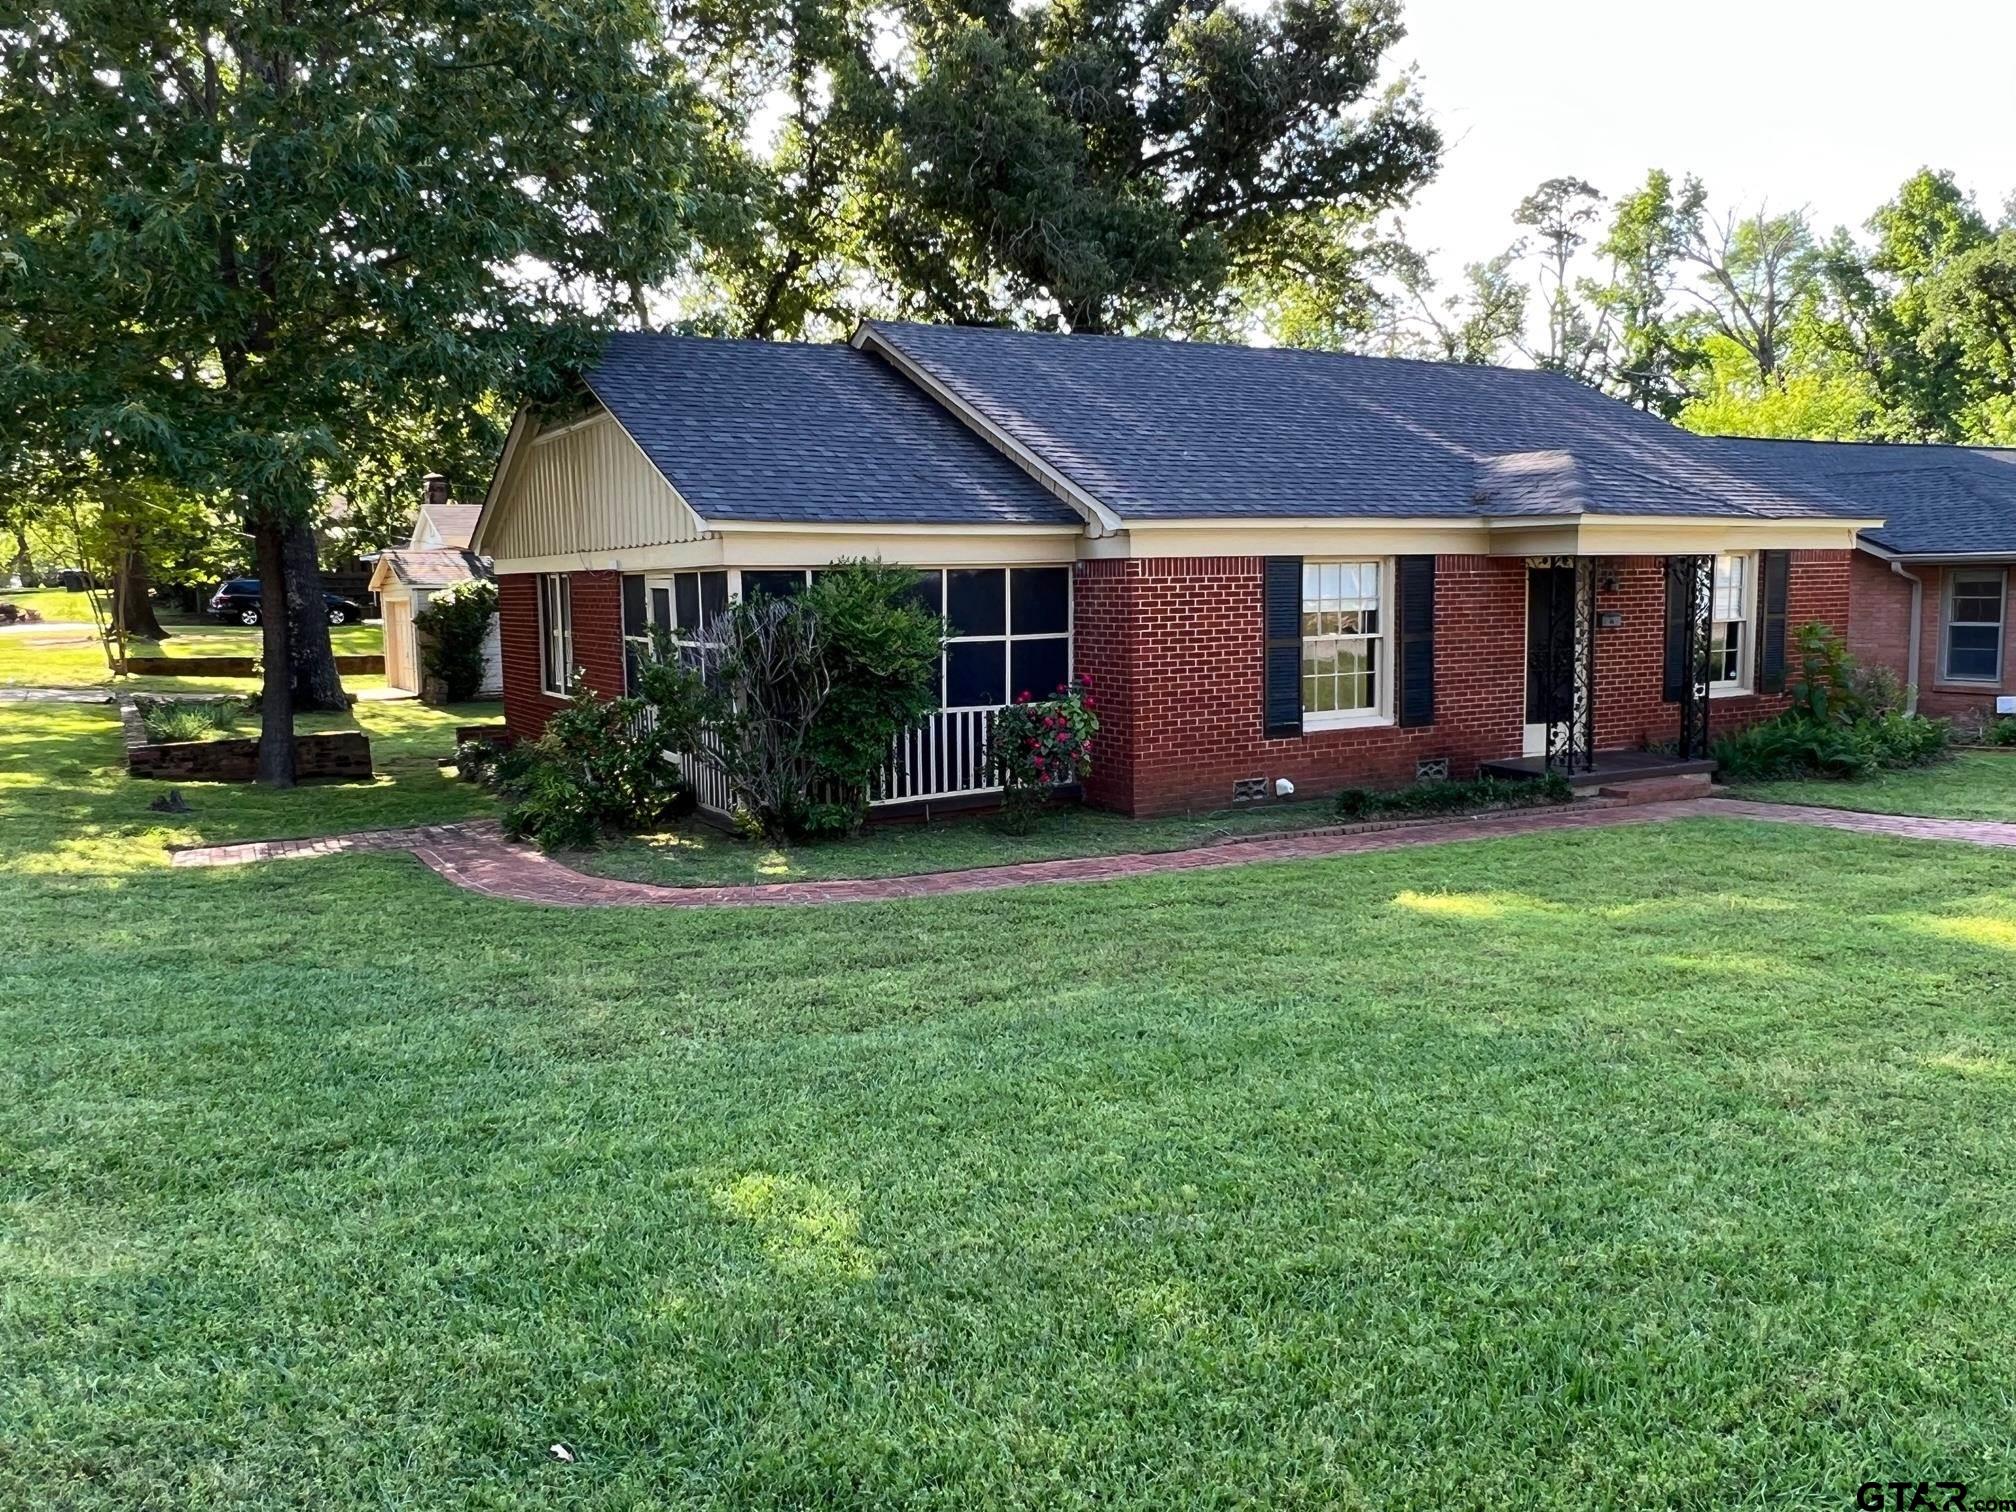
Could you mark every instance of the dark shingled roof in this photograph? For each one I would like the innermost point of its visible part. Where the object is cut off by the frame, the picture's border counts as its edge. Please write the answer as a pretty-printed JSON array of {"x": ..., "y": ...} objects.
[
  {"x": 1171, "y": 429},
  {"x": 1934, "y": 500},
  {"x": 789, "y": 432}
]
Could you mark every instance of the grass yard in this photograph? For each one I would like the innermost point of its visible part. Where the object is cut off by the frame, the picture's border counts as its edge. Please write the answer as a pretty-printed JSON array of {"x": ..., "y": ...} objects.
[
  {"x": 696, "y": 854},
  {"x": 68, "y": 804},
  {"x": 1669, "y": 1166},
  {"x": 1973, "y": 785},
  {"x": 70, "y": 655}
]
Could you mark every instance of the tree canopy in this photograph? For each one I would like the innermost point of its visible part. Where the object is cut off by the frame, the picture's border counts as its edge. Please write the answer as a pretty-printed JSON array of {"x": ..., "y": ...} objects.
[{"x": 247, "y": 241}]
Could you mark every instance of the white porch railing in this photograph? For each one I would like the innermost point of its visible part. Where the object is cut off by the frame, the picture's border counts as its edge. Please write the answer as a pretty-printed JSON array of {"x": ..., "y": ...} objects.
[{"x": 949, "y": 754}]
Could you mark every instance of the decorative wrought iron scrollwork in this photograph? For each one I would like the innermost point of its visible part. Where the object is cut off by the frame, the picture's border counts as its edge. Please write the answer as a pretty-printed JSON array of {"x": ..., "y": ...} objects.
[
  {"x": 1571, "y": 669},
  {"x": 1698, "y": 572}
]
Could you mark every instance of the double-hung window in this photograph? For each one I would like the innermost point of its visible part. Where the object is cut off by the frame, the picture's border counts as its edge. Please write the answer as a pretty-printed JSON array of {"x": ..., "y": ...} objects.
[
  {"x": 1974, "y": 609},
  {"x": 1733, "y": 609},
  {"x": 1346, "y": 659},
  {"x": 556, "y": 634}
]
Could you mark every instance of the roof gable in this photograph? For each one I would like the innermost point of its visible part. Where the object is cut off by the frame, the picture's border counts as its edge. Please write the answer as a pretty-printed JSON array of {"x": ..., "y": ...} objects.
[{"x": 813, "y": 434}]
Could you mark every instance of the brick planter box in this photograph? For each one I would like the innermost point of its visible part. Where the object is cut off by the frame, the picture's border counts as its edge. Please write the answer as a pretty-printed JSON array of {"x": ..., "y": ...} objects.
[
  {"x": 342, "y": 754},
  {"x": 234, "y": 666}
]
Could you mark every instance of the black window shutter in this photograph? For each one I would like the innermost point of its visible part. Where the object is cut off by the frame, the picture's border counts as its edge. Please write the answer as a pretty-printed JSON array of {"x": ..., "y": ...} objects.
[
  {"x": 1777, "y": 576},
  {"x": 1678, "y": 572},
  {"x": 1281, "y": 681},
  {"x": 1417, "y": 640}
]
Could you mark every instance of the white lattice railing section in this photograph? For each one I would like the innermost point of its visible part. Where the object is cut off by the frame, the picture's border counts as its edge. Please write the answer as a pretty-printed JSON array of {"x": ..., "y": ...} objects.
[
  {"x": 949, "y": 754},
  {"x": 710, "y": 786}
]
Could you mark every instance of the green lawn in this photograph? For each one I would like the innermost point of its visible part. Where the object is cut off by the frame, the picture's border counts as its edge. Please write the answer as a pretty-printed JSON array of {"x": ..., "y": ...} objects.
[
  {"x": 1973, "y": 785},
  {"x": 70, "y": 655},
  {"x": 1670, "y": 1166},
  {"x": 71, "y": 802},
  {"x": 697, "y": 854}
]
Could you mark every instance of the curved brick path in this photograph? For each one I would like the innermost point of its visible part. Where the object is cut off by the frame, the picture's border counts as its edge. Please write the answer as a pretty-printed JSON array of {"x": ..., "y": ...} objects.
[{"x": 476, "y": 856}]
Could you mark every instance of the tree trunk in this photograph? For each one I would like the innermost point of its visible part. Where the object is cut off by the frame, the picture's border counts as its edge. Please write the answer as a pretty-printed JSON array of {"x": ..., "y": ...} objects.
[
  {"x": 24, "y": 559},
  {"x": 130, "y": 605},
  {"x": 314, "y": 681},
  {"x": 276, "y": 701}
]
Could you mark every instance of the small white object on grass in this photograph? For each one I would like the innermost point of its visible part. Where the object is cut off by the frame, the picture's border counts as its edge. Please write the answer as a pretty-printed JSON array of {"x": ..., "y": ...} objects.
[
  {"x": 561, "y": 1453},
  {"x": 1283, "y": 788}
]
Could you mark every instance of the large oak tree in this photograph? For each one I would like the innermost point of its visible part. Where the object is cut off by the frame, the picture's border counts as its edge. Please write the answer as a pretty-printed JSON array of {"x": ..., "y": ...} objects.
[{"x": 245, "y": 239}]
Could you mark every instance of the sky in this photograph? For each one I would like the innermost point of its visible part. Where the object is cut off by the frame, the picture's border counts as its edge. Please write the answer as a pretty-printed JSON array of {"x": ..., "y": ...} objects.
[{"x": 1795, "y": 103}]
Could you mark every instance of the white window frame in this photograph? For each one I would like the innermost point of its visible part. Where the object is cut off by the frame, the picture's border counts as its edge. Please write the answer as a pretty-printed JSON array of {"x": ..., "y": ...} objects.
[
  {"x": 1746, "y": 623},
  {"x": 556, "y": 640},
  {"x": 1008, "y": 638},
  {"x": 1953, "y": 576},
  {"x": 1381, "y": 712}
]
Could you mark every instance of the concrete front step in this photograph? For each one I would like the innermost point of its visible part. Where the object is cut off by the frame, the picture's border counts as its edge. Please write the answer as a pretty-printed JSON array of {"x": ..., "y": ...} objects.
[{"x": 1666, "y": 789}]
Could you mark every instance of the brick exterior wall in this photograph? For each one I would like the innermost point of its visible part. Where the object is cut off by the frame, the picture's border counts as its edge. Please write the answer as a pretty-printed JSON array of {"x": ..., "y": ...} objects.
[
  {"x": 1173, "y": 646},
  {"x": 597, "y": 599},
  {"x": 1879, "y": 635}
]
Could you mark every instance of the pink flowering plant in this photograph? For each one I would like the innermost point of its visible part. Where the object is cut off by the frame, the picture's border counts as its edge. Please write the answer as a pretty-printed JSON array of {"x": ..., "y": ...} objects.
[{"x": 1044, "y": 743}]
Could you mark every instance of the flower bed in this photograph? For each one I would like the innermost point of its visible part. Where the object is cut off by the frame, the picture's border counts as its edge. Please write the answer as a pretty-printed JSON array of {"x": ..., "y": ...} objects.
[{"x": 327, "y": 754}]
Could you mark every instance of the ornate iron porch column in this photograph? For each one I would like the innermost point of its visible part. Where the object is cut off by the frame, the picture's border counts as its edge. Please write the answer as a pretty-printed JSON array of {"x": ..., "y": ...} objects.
[
  {"x": 1698, "y": 574},
  {"x": 1571, "y": 665}
]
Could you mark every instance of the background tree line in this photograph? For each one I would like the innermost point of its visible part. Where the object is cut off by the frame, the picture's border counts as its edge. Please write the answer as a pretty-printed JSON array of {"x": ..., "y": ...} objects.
[{"x": 1745, "y": 323}]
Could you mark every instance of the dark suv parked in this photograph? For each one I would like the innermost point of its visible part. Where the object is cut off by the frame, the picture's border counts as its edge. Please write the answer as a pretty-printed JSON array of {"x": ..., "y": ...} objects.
[{"x": 238, "y": 600}]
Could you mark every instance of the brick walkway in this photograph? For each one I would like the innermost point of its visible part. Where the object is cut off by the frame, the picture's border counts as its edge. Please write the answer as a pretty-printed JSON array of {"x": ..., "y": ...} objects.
[{"x": 476, "y": 856}]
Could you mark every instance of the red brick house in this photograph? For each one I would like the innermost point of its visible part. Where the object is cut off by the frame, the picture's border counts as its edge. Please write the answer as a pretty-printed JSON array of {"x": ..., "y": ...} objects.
[
  {"x": 1930, "y": 586},
  {"x": 1272, "y": 564}
]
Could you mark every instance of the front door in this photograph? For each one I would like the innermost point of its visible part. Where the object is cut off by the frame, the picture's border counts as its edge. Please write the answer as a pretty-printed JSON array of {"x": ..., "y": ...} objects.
[{"x": 1550, "y": 652}]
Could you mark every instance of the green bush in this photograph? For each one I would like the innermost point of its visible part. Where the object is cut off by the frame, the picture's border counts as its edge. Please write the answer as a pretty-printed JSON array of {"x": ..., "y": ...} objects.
[
  {"x": 797, "y": 701},
  {"x": 1474, "y": 796},
  {"x": 597, "y": 770},
  {"x": 1039, "y": 745},
  {"x": 1843, "y": 724},
  {"x": 453, "y": 628},
  {"x": 190, "y": 718},
  {"x": 1999, "y": 732},
  {"x": 1794, "y": 745}
]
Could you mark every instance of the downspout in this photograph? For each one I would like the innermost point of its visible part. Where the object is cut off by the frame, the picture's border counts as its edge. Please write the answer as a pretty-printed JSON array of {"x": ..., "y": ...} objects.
[{"x": 1917, "y": 632}]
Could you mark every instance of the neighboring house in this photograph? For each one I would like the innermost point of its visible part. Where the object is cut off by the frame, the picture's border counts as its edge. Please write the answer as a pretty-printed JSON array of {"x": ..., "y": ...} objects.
[
  {"x": 1272, "y": 564},
  {"x": 405, "y": 578},
  {"x": 1931, "y": 584}
]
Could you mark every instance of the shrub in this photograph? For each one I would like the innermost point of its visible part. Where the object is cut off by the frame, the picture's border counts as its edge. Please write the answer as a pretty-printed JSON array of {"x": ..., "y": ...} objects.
[
  {"x": 190, "y": 718},
  {"x": 1474, "y": 796},
  {"x": 18, "y": 614},
  {"x": 797, "y": 701},
  {"x": 1041, "y": 744},
  {"x": 453, "y": 628},
  {"x": 476, "y": 760},
  {"x": 598, "y": 769},
  {"x": 1999, "y": 732},
  {"x": 881, "y": 652},
  {"x": 1793, "y": 745}
]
